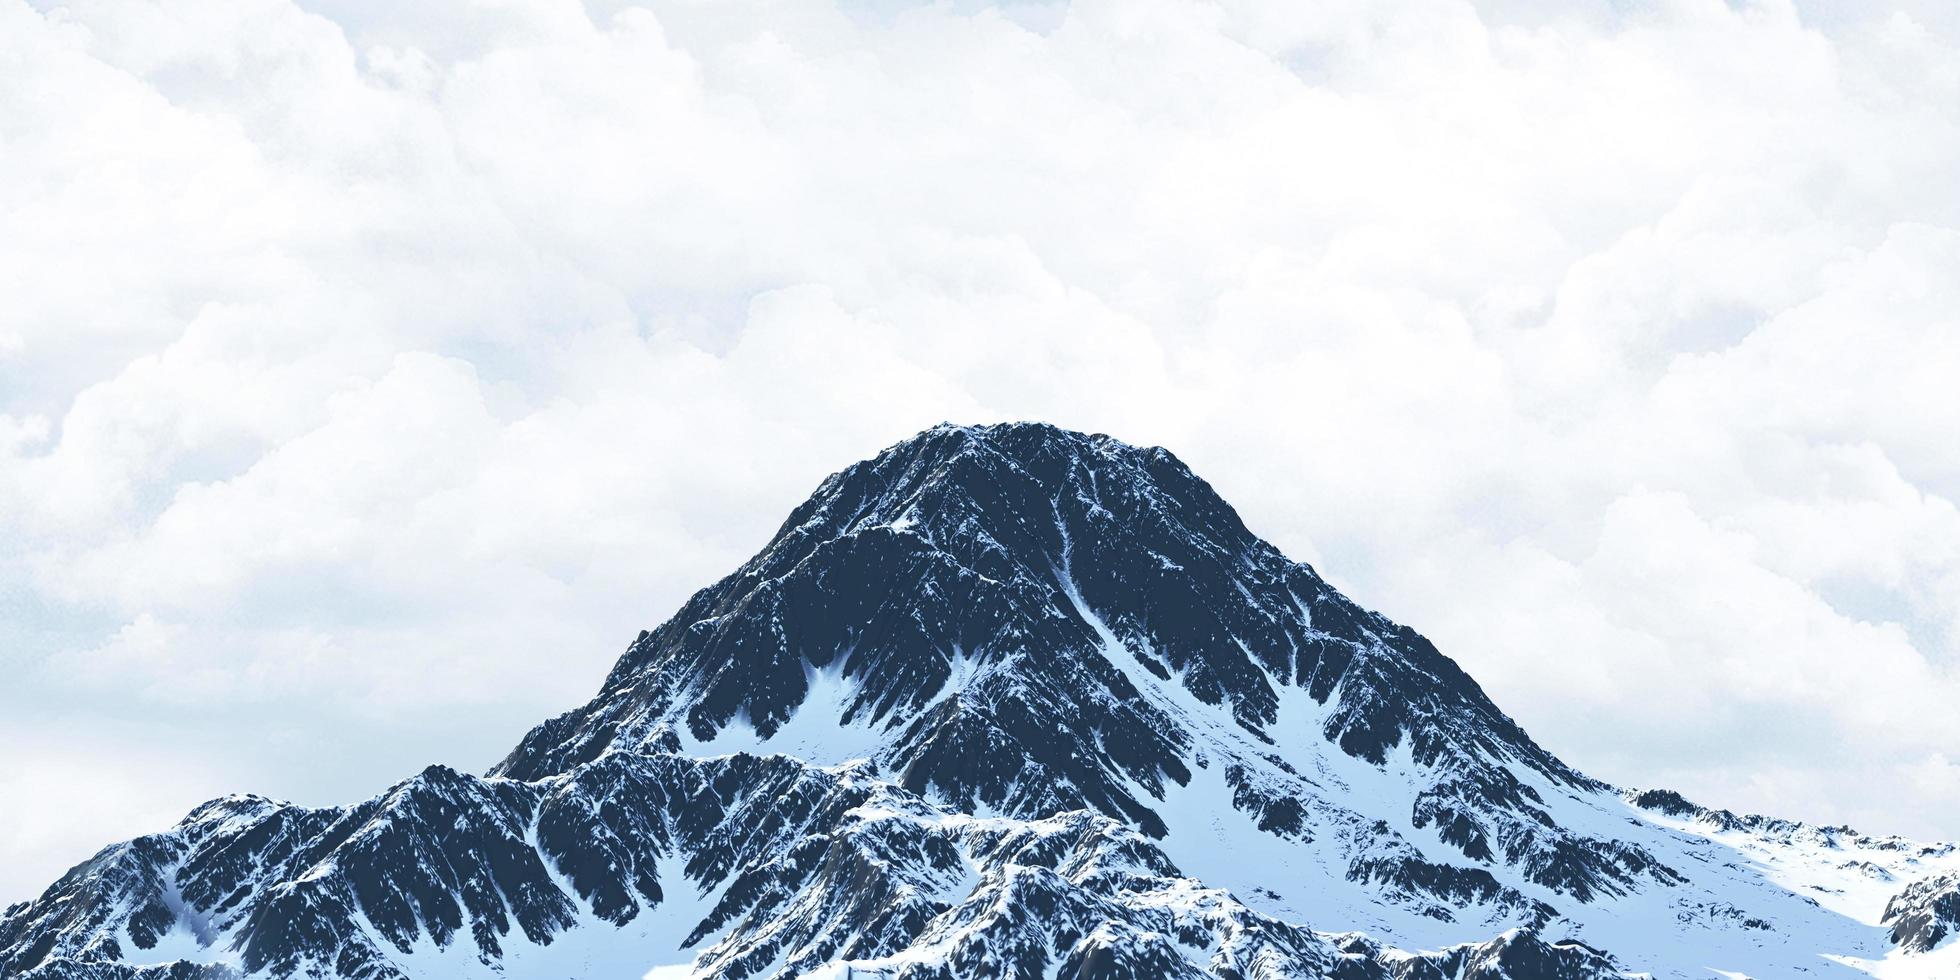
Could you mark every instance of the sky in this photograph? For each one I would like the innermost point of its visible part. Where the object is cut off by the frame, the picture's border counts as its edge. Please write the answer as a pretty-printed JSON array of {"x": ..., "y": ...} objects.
[{"x": 371, "y": 373}]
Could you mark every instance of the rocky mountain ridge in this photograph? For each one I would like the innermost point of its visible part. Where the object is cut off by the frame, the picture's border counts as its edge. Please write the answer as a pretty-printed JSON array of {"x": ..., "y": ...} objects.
[{"x": 1006, "y": 701}]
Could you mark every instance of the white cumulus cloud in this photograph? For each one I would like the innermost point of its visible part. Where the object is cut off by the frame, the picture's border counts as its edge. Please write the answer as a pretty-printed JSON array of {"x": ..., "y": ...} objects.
[{"x": 370, "y": 373}]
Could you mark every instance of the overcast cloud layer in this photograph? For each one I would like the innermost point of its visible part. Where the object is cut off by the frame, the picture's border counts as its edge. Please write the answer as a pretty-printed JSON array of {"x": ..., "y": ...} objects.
[{"x": 368, "y": 376}]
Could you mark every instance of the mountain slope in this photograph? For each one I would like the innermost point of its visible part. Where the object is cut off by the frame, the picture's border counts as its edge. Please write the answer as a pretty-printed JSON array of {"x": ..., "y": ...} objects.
[
  {"x": 741, "y": 865},
  {"x": 1006, "y": 700}
]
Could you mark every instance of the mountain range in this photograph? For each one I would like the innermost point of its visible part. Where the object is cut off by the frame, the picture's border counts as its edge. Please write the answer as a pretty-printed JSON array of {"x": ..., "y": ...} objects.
[{"x": 1008, "y": 701}]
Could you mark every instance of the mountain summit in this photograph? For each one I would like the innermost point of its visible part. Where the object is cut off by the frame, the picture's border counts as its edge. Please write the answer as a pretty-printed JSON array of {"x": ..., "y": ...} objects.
[
  {"x": 1005, "y": 701},
  {"x": 1028, "y": 620}
]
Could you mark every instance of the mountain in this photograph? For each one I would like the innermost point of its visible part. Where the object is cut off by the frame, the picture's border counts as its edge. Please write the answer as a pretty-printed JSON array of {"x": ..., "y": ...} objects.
[{"x": 1008, "y": 701}]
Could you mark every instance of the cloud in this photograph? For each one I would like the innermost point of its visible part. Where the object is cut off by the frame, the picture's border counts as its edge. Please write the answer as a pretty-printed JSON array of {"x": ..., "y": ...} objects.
[{"x": 370, "y": 374}]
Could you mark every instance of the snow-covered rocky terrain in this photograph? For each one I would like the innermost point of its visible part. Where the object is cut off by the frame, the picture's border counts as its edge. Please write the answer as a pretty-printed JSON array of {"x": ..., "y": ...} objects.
[{"x": 1008, "y": 701}]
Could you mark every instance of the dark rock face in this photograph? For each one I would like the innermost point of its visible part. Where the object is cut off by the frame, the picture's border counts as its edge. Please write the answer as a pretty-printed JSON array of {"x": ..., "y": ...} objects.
[{"x": 1925, "y": 913}]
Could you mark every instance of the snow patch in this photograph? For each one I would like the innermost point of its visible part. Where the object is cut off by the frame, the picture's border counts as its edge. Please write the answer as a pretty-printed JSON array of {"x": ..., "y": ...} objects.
[{"x": 815, "y": 732}]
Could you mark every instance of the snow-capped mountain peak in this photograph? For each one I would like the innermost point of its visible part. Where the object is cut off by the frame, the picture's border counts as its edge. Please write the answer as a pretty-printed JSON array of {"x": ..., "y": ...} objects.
[{"x": 1005, "y": 700}]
